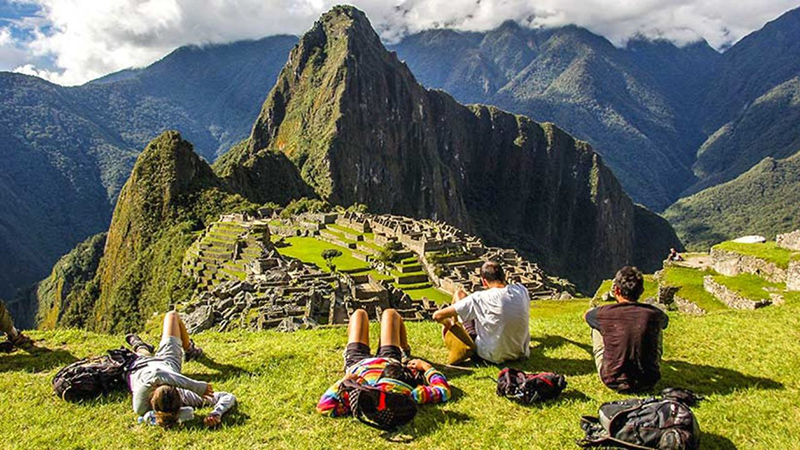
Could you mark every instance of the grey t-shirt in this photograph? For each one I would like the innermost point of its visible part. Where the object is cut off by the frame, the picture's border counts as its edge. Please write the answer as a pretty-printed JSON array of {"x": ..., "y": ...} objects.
[
  {"x": 502, "y": 317},
  {"x": 165, "y": 369}
]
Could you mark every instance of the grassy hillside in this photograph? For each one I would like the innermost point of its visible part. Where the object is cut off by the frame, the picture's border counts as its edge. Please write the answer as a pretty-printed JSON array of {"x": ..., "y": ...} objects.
[
  {"x": 765, "y": 200},
  {"x": 752, "y": 136},
  {"x": 751, "y": 400}
]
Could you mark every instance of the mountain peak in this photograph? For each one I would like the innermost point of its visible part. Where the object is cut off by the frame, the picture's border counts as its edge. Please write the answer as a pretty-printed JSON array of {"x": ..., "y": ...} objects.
[{"x": 361, "y": 129}]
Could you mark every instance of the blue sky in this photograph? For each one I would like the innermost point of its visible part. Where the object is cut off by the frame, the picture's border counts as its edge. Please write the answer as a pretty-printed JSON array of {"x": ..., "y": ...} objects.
[{"x": 73, "y": 41}]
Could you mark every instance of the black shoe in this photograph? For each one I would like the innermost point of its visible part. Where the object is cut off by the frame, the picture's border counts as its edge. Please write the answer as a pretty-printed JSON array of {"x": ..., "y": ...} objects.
[
  {"x": 21, "y": 341},
  {"x": 137, "y": 343},
  {"x": 194, "y": 352}
]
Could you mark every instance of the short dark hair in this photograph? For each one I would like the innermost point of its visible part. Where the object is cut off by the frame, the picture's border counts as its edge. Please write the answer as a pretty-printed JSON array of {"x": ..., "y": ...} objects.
[
  {"x": 630, "y": 282},
  {"x": 493, "y": 271},
  {"x": 399, "y": 372}
]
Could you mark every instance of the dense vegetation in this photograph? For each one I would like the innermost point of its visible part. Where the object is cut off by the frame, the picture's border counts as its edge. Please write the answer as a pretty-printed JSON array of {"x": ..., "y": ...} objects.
[
  {"x": 766, "y": 127},
  {"x": 737, "y": 359},
  {"x": 170, "y": 196},
  {"x": 67, "y": 151},
  {"x": 60, "y": 293},
  {"x": 765, "y": 201}
]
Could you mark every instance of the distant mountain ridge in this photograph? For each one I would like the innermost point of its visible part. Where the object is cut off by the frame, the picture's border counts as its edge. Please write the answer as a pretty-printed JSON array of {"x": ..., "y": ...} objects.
[
  {"x": 347, "y": 122},
  {"x": 628, "y": 103},
  {"x": 647, "y": 108},
  {"x": 764, "y": 200}
]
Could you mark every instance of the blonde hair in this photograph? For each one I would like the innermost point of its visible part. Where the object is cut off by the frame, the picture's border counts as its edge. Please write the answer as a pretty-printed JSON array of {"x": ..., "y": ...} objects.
[{"x": 166, "y": 402}]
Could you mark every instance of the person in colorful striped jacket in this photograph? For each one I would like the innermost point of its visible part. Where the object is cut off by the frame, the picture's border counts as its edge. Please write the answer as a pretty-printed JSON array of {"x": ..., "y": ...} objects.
[{"x": 386, "y": 370}]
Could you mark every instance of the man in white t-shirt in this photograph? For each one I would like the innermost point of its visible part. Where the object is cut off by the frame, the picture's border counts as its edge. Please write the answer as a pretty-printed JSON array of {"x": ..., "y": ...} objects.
[{"x": 496, "y": 318}]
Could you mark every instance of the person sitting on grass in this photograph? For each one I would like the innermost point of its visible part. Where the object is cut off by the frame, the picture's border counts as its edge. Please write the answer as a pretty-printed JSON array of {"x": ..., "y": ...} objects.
[
  {"x": 674, "y": 255},
  {"x": 158, "y": 385},
  {"x": 14, "y": 337},
  {"x": 627, "y": 337},
  {"x": 386, "y": 370},
  {"x": 496, "y": 318}
]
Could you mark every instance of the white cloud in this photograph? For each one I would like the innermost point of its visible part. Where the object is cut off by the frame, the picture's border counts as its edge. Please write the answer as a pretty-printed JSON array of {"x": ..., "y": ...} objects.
[
  {"x": 5, "y": 37},
  {"x": 87, "y": 38}
]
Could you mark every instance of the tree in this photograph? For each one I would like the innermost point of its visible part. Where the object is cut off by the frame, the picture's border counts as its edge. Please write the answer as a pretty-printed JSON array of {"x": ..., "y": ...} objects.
[
  {"x": 390, "y": 252},
  {"x": 328, "y": 255}
]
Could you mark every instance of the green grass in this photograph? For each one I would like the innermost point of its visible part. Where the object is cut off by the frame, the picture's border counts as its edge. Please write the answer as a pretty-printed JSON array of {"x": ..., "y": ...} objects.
[
  {"x": 740, "y": 360},
  {"x": 342, "y": 229},
  {"x": 768, "y": 251},
  {"x": 431, "y": 293},
  {"x": 750, "y": 286},
  {"x": 308, "y": 249},
  {"x": 691, "y": 284}
]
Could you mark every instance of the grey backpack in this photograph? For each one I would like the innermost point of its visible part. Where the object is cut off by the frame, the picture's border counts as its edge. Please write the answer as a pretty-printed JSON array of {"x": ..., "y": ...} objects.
[{"x": 648, "y": 424}]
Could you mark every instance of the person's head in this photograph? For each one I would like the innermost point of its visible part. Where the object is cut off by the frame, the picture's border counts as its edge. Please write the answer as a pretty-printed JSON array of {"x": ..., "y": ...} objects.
[
  {"x": 492, "y": 273},
  {"x": 628, "y": 284},
  {"x": 400, "y": 372},
  {"x": 166, "y": 403}
]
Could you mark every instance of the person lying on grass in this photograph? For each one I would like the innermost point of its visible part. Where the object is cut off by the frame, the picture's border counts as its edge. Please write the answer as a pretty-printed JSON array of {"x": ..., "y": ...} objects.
[
  {"x": 158, "y": 385},
  {"x": 495, "y": 319},
  {"x": 386, "y": 370}
]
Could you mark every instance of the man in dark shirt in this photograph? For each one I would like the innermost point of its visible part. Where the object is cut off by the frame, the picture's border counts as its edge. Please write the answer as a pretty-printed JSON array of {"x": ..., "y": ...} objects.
[{"x": 627, "y": 337}]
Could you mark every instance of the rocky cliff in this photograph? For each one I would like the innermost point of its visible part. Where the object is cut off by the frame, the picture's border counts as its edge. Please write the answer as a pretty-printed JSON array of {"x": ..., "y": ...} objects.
[{"x": 360, "y": 129}]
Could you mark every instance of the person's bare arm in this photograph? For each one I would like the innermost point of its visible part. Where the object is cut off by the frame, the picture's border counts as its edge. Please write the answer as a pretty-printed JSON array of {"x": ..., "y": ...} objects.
[{"x": 444, "y": 314}]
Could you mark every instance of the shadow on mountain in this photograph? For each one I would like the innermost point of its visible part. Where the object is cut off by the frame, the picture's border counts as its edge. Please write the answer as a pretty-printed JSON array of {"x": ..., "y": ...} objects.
[
  {"x": 707, "y": 380},
  {"x": 35, "y": 359},
  {"x": 428, "y": 420},
  {"x": 712, "y": 441}
]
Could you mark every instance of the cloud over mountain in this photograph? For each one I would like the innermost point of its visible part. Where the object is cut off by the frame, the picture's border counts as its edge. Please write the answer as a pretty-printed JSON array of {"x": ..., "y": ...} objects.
[{"x": 78, "y": 40}]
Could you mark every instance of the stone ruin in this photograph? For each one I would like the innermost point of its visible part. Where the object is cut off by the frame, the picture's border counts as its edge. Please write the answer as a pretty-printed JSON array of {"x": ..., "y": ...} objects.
[
  {"x": 789, "y": 241},
  {"x": 450, "y": 258},
  {"x": 243, "y": 282}
]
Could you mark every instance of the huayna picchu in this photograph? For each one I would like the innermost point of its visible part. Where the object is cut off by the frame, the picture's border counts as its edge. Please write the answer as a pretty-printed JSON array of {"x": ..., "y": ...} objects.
[{"x": 347, "y": 123}]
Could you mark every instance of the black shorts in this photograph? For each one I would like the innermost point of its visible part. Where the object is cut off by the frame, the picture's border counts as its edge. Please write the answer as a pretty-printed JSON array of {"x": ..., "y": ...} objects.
[{"x": 357, "y": 351}]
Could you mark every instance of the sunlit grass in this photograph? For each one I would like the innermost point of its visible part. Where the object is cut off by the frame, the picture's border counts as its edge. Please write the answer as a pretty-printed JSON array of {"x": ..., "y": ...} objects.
[{"x": 741, "y": 360}]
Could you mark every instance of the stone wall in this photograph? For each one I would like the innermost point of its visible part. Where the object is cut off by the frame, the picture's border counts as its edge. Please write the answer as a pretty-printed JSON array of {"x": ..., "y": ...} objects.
[
  {"x": 730, "y": 297},
  {"x": 793, "y": 276},
  {"x": 731, "y": 264},
  {"x": 789, "y": 241}
]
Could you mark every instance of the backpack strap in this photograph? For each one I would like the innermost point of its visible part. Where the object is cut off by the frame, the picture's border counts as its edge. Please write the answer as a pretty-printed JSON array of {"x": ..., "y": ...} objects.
[{"x": 609, "y": 441}]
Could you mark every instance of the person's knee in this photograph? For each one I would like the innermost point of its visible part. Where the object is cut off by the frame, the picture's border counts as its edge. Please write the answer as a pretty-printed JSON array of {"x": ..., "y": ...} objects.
[
  {"x": 359, "y": 314},
  {"x": 389, "y": 314},
  {"x": 171, "y": 316}
]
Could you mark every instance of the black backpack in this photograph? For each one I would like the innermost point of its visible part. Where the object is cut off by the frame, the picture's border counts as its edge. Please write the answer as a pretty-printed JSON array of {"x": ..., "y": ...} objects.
[
  {"x": 528, "y": 388},
  {"x": 92, "y": 377},
  {"x": 661, "y": 424},
  {"x": 376, "y": 408}
]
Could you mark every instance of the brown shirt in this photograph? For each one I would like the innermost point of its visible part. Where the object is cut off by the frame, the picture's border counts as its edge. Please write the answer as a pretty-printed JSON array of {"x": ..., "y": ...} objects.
[{"x": 631, "y": 334}]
